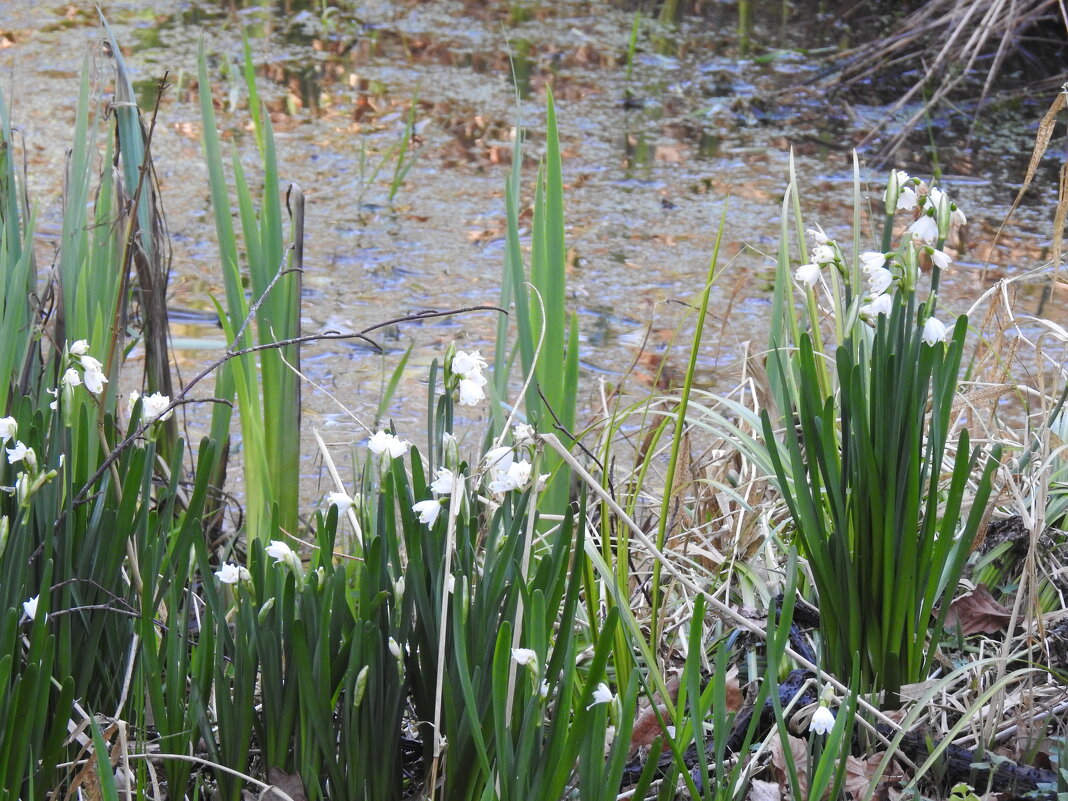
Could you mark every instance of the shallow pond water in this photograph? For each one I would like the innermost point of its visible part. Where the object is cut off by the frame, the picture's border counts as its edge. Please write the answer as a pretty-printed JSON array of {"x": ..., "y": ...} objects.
[{"x": 651, "y": 154}]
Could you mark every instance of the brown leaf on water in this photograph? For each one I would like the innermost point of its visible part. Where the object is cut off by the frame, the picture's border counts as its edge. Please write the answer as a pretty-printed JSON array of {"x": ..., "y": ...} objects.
[
  {"x": 799, "y": 751},
  {"x": 288, "y": 783},
  {"x": 764, "y": 791},
  {"x": 977, "y": 612}
]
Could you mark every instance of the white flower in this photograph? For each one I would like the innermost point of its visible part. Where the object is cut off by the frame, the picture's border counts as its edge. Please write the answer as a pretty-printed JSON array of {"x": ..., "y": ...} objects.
[
  {"x": 94, "y": 381},
  {"x": 30, "y": 607},
  {"x": 524, "y": 657},
  {"x": 341, "y": 500},
  {"x": 384, "y": 442},
  {"x": 956, "y": 216},
  {"x": 395, "y": 649},
  {"x": 898, "y": 178},
  {"x": 55, "y": 394},
  {"x": 517, "y": 475},
  {"x": 823, "y": 254},
  {"x": 152, "y": 406},
  {"x": 933, "y": 331},
  {"x": 94, "y": 378},
  {"x": 231, "y": 574},
  {"x": 522, "y": 434},
  {"x": 880, "y": 304},
  {"x": 71, "y": 378},
  {"x": 18, "y": 453},
  {"x": 935, "y": 196},
  {"x": 428, "y": 511},
  {"x": 79, "y": 348},
  {"x": 941, "y": 259},
  {"x": 871, "y": 260},
  {"x": 818, "y": 237},
  {"x": 808, "y": 274},
  {"x": 9, "y": 429},
  {"x": 906, "y": 199},
  {"x": 822, "y": 720},
  {"x": 925, "y": 229},
  {"x": 498, "y": 458},
  {"x": 543, "y": 690},
  {"x": 280, "y": 552},
  {"x": 446, "y": 482},
  {"x": 471, "y": 392},
  {"x": 880, "y": 279},
  {"x": 601, "y": 695},
  {"x": 468, "y": 365}
]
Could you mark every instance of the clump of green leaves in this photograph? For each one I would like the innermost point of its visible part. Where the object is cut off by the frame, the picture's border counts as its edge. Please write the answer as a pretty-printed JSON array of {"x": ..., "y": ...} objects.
[{"x": 885, "y": 493}]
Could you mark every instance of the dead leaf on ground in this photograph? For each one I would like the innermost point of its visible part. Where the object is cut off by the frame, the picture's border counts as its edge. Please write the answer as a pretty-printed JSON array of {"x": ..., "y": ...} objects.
[
  {"x": 859, "y": 773},
  {"x": 764, "y": 791},
  {"x": 977, "y": 612},
  {"x": 288, "y": 783},
  {"x": 799, "y": 751}
]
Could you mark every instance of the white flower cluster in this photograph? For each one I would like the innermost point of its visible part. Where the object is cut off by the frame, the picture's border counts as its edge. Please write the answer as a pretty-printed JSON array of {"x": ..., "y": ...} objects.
[
  {"x": 92, "y": 376},
  {"x": 934, "y": 211},
  {"x": 27, "y": 481},
  {"x": 468, "y": 368},
  {"x": 935, "y": 215},
  {"x": 155, "y": 408},
  {"x": 824, "y": 252},
  {"x": 92, "y": 370},
  {"x": 504, "y": 472}
]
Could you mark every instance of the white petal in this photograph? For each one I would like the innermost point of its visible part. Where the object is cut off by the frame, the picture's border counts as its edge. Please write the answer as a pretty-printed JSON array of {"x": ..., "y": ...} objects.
[
  {"x": 341, "y": 500},
  {"x": 379, "y": 442},
  {"x": 808, "y": 274},
  {"x": 823, "y": 254},
  {"x": 870, "y": 260},
  {"x": 822, "y": 721},
  {"x": 880, "y": 280},
  {"x": 906, "y": 200},
  {"x": 524, "y": 656},
  {"x": 925, "y": 229},
  {"x": 941, "y": 259},
  {"x": 428, "y": 511},
  {"x": 934, "y": 331},
  {"x": 471, "y": 392}
]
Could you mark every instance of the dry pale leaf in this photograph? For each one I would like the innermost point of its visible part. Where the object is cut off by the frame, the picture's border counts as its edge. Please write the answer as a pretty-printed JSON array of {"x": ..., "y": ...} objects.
[
  {"x": 977, "y": 612},
  {"x": 288, "y": 783},
  {"x": 859, "y": 773},
  {"x": 764, "y": 791},
  {"x": 799, "y": 751}
]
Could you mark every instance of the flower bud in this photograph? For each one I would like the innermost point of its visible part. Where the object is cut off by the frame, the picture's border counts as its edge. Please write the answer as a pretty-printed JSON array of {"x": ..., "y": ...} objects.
[
  {"x": 361, "y": 686},
  {"x": 265, "y": 610}
]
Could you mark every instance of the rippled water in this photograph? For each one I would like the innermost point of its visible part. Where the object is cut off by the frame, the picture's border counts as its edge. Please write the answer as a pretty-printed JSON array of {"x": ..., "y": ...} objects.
[{"x": 650, "y": 159}]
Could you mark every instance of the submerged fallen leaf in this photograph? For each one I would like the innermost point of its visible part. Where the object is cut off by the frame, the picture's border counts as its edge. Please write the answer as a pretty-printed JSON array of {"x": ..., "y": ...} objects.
[{"x": 977, "y": 612}]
